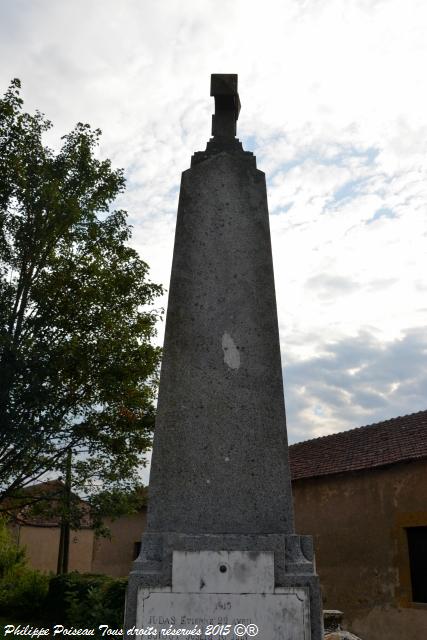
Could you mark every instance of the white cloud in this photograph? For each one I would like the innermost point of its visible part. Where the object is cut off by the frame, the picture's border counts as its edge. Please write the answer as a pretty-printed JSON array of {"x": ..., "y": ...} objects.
[
  {"x": 356, "y": 380},
  {"x": 334, "y": 105}
]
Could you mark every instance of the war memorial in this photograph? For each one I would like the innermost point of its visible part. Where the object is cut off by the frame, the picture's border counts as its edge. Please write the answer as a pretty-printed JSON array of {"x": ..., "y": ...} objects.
[{"x": 220, "y": 547}]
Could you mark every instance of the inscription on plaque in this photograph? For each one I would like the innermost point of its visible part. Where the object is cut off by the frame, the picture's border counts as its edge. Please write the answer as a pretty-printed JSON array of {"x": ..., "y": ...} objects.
[{"x": 282, "y": 615}]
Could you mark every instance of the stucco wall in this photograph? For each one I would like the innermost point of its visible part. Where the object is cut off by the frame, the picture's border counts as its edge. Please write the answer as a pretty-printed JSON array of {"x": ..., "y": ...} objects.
[
  {"x": 42, "y": 544},
  {"x": 358, "y": 522},
  {"x": 114, "y": 556},
  {"x": 87, "y": 554}
]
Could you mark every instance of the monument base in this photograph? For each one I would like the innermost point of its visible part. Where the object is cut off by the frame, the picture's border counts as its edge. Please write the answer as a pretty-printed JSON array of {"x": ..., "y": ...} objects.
[{"x": 268, "y": 590}]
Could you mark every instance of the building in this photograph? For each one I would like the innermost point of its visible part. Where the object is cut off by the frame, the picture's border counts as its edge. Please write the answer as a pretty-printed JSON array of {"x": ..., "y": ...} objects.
[
  {"x": 37, "y": 527},
  {"x": 38, "y": 530},
  {"x": 362, "y": 494}
]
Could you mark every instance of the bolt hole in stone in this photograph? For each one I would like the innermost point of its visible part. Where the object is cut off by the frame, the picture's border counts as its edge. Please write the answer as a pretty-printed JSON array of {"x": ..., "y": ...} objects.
[{"x": 222, "y": 568}]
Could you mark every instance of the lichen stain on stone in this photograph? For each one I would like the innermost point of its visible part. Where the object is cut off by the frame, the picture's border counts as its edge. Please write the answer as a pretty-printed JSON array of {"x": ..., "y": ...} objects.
[{"x": 231, "y": 352}]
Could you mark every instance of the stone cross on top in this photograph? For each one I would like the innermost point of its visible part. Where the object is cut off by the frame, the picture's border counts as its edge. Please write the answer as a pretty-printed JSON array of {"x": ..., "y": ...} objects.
[{"x": 227, "y": 105}]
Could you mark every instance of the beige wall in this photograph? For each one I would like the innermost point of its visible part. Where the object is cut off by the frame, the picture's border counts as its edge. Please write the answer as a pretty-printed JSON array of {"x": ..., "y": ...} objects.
[
  {"x": 358, "y": 522},
  {"x": 42, "y": 545},
  {"x": 114, "y": 556},
  {"x": 87, "y": 553}
]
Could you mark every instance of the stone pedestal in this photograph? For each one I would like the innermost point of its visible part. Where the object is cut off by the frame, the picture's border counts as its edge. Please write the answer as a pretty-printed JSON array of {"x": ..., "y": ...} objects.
[
  {"x": 225, "y": 589},
  {"x": 220, "y": 491},
  {"x": 267, "y": 580}
]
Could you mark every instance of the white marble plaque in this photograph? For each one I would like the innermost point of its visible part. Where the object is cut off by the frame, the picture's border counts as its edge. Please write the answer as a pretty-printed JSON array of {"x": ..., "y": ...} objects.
[
  {"x": 223, "y": 572},
  {"x": 282, "y": 615}
]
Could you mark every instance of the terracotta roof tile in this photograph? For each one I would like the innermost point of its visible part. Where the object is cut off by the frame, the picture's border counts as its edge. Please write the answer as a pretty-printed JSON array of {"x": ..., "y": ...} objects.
[
  {"x": 375, "y": 445},
  {"x": 47, "y": 515}
]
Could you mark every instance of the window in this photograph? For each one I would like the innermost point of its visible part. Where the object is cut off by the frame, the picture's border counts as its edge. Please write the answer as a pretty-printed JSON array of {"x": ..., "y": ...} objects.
[
  {"x": 137, "y": 549},
  {"x": 417, "y": 547}
]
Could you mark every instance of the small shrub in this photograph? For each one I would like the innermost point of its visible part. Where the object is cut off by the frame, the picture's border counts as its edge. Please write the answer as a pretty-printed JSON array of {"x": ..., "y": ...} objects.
[
  {"x": 86, "y": 600},
  {"x": 23, "y": 593},
  {"x": 114, "y": 602},
  {"x": 11, "y": 555},
  {"x": 67, "y": 588},
  {"x": 87, "y": 612},
  {"x": 22, "y": 590}
]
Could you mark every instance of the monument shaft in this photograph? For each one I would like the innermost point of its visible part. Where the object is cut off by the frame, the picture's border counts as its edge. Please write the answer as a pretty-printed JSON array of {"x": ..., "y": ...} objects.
[
  {"x": 220, "y": 454},
  {"x": 220, "y": 481}
]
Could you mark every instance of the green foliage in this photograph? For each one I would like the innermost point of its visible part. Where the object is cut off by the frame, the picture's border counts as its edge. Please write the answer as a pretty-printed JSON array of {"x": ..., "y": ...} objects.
[
  {"x": 22, "y": 590},
  {"x": 12, "y": 556},
  {"x": 114, "y": 603},
  {"x": 78, "y": 368},
  {"x": 86, "y": 600},
  {"x": 23, "y": 593}
]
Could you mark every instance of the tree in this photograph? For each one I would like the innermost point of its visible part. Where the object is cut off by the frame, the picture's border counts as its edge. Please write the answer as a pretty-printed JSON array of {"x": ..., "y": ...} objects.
[
  {"x": 77, "y": 366},
  {"x": 11, "y": 555}
]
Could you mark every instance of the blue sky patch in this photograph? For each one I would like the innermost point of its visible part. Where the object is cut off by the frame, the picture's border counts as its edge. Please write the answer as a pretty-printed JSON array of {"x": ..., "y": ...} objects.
[{"x": 383, "y": 212}]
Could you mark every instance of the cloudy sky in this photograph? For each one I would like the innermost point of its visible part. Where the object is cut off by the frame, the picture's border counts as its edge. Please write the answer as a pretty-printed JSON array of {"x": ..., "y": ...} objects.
[{"x": 334, "y": 105}]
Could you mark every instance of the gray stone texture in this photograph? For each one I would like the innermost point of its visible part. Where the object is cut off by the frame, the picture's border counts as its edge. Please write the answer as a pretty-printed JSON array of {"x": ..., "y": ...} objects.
[
  {"x": 332, "y": 619},
  {"x": 220, "y": 452},
  {"x": 220, "y": 475},
  {"x": 293, "y": 564}
]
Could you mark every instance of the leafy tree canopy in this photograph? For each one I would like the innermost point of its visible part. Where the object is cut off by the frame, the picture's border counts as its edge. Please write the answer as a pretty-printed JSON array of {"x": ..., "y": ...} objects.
[{"x": 78, "y": 370}]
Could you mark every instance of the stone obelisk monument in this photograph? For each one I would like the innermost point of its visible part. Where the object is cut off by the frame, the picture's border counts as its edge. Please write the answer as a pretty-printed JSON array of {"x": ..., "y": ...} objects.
[{"x": 220, "y": 546}]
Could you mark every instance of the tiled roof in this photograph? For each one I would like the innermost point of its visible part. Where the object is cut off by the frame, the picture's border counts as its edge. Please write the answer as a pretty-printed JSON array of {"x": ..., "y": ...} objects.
[
  {"x": 44, "y": 513},
  {"x": 376, "y": 445}
]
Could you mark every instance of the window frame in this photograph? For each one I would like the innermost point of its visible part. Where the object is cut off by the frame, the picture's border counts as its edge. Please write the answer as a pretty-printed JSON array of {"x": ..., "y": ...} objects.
[{"x": 403, "y": 522}]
